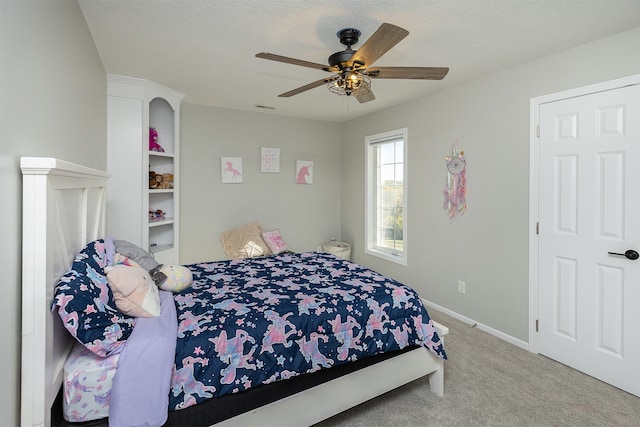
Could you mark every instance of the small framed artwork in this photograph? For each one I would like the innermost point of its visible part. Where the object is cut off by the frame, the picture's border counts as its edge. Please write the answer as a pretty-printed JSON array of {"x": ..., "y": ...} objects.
[
  {"x": 270, "y": 160},
  {"x": 304, "y": 172},
  {"x": 231, "y": 170}
]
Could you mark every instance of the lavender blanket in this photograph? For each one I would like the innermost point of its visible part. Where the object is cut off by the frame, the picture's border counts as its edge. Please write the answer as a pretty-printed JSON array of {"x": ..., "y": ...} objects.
[{"x": 140, "y": 393}]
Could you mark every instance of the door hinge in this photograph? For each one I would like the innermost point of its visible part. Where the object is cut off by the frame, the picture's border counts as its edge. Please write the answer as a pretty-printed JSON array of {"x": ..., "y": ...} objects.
[
  {"x": 537, "y": 228},
  {"x": 538, "y": 131},
  {"x": 537, "y": 325}
]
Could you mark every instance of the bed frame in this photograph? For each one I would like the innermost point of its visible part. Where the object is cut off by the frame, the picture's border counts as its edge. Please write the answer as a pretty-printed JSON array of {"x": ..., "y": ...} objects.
[{"x": 63, "y": 210}]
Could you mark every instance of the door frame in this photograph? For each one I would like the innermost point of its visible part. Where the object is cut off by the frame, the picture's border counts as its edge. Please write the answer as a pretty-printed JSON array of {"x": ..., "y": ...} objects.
[{"x": 534, "y": 140}]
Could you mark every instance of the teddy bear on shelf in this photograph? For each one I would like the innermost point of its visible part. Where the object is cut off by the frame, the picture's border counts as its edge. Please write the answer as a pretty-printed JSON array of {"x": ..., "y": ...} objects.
[
  {"x": 167, "y": 180},
  {"x": 155, "y": 180},
  {"x": 152, "y": 179},
  {"x": 153, "y": 141}
]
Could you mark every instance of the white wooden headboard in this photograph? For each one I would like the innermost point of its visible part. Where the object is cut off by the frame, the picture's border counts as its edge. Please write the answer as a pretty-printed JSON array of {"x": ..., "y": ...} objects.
[{"x": 63, "y": 208}]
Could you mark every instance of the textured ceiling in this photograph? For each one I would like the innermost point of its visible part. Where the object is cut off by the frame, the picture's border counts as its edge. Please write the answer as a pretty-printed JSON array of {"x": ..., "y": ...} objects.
[{"x": 206, "y": 48}]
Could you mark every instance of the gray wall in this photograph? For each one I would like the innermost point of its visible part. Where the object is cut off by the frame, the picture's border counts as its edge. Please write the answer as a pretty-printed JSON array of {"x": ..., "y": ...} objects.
[
  {"x": 53, "y": 104},
  {"x": 489, "y": 117},
  {"x": 306, "y": 215}
]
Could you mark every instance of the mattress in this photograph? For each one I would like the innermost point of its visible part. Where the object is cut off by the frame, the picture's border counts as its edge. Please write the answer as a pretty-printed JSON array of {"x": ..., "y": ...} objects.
[{"x": 87, "y": 385}]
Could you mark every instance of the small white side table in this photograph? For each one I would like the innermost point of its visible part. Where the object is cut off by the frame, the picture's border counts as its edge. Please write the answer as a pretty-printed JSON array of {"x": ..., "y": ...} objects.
[{"x": 341, "y": 249}]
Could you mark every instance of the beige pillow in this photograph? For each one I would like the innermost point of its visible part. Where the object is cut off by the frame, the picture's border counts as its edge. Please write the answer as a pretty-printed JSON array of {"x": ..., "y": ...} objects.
[
  {"x": 244, "y": 242},
  {"x": 134, "y": 292}
]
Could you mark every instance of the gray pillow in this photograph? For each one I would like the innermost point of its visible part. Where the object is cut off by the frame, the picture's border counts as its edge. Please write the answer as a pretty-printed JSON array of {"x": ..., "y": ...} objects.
[{"x": 139, "y": 255}]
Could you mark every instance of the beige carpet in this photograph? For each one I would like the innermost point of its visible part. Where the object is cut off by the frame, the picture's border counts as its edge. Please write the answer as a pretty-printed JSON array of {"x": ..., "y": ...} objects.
[{"x": 489, "y": 382}]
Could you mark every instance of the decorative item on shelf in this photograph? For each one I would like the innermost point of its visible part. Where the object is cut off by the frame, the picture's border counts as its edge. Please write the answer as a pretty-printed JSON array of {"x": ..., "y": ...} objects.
[
  {"x": 155, "y": 180},
  {"x": 455, "y": 189},
  {"x": 167, "y": 180},
  {"x": 153, "y": 141},
  {"x": 157, "y": 214},
  {"x": 159, "y": 181}
]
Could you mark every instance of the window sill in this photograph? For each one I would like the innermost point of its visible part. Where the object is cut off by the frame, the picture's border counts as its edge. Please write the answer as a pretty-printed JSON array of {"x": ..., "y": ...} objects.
[{"x": 400, "y": 258}]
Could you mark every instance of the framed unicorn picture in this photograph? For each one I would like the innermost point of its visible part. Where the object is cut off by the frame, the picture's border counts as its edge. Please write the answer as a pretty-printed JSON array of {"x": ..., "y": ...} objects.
[
  {"x": 231, "y": 170},
  {"x": 304, "y": 172}
]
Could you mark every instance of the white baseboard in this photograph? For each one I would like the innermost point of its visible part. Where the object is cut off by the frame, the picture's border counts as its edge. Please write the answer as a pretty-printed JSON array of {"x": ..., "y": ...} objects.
[{"x": 491, "y": 331}]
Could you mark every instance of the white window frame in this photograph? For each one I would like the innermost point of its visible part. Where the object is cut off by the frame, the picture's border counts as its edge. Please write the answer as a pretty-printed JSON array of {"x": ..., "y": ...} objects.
[{"x": 371, "y": 209}]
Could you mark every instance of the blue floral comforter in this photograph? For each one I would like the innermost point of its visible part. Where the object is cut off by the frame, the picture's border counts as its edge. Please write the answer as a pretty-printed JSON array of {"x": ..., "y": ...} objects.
[{"x": 249, "y": 322}]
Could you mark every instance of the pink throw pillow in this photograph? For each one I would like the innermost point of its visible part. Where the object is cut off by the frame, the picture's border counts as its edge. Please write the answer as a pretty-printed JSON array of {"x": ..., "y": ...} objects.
[
  {"x": 274, "y": 241},
  {"x": 134, "y": 292}
]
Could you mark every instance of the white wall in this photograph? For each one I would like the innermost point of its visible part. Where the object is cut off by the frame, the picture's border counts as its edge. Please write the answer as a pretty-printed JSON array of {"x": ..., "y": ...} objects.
[
  {"x": 307, "y": 215},
  {"x": 53, "y": 104},
  {"x": 489, "y": 117}
]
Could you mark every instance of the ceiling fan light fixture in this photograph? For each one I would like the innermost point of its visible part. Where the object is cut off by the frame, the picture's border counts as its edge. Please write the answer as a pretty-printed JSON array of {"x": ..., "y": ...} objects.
[
  {"x": 350, "y": 83},
  {"x": 351, "y": 69}
]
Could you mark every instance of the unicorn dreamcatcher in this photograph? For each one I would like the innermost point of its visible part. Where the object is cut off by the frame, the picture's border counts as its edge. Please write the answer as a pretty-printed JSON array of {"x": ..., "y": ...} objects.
[{"x": 455, "y": 189}]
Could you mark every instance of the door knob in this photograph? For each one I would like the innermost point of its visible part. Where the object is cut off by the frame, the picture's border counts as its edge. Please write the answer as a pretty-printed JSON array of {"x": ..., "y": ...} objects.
[{"x": 630, "y": 254}]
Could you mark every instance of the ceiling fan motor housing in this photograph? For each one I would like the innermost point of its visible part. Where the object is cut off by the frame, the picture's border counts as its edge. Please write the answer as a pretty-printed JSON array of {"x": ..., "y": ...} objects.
[
  {"x": 348, "y": 37},
  {"x": 341, "y": 59}
]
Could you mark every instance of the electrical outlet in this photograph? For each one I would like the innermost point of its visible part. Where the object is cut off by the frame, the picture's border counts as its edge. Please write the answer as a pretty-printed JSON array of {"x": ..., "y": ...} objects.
[{"x": 462, "y": 287}]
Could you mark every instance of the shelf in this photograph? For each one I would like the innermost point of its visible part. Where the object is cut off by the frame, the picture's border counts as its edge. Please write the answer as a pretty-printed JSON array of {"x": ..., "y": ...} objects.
[
  {"x": 155, "y": 222},
  {"x": 160, "y": 190},
  {"x": 161, "y": 154}
]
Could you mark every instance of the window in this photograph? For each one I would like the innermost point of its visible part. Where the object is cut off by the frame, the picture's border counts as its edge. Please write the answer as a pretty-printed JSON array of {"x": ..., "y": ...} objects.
[{"x": 386, "y": 224}]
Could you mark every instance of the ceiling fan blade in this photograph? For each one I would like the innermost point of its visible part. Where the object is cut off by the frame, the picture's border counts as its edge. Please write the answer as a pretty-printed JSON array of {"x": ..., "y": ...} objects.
[
  {"x": 369, "y": 96},
  {"x": 420, "y": 73},
  {"x": 287, "y": 60},
  {"x": 307, "y": 87},
  {"x": 385, "y": 37}
]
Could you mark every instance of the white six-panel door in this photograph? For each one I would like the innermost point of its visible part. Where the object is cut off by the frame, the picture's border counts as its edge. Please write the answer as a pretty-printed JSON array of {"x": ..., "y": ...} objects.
[{"x": 589, "y": 205}]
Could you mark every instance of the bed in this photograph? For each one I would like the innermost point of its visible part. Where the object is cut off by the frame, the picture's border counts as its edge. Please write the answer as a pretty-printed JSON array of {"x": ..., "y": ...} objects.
[{"x": 63, "y": 211}]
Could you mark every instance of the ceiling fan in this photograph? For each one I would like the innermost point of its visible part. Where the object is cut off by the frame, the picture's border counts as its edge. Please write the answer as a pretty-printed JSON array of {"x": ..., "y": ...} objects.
[{"x": 352, "y": 69}]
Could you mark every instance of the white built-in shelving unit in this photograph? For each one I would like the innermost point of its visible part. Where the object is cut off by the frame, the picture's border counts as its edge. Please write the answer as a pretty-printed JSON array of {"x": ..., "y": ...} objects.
[{"x": 133, "y": 106}]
